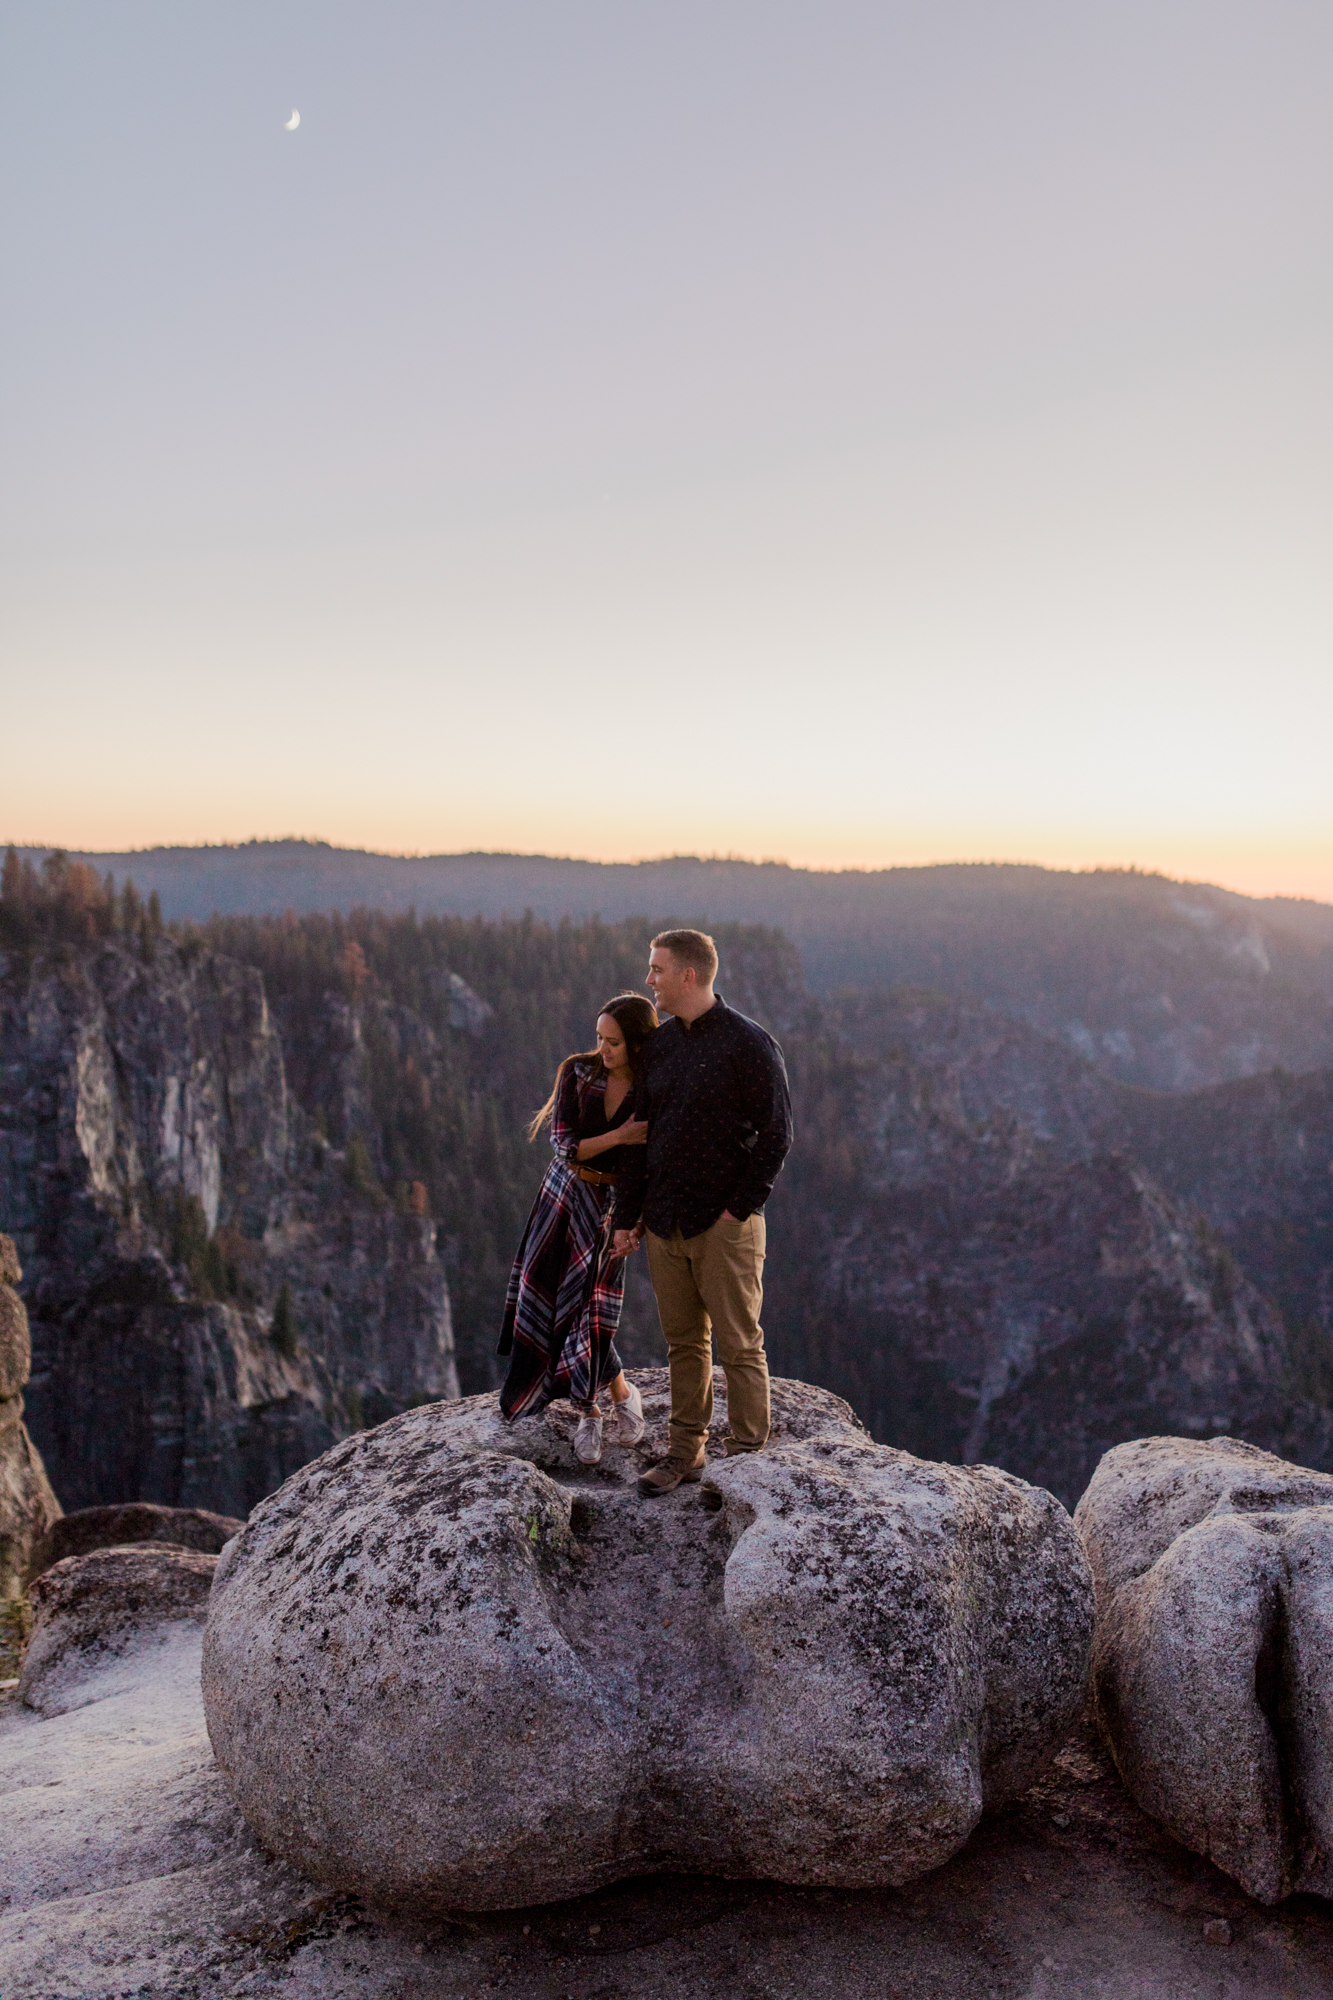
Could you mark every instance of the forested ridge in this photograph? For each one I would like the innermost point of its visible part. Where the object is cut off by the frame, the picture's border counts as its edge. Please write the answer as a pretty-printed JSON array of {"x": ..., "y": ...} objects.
[{"x": 1166, "y": 983}]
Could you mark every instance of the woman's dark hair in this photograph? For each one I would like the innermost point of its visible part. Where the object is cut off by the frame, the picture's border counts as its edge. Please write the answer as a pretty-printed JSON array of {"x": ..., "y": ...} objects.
[{"x": 635, "y": 1017}]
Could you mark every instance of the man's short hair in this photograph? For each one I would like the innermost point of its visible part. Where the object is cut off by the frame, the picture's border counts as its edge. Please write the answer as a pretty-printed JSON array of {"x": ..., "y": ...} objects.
[{"x": 694, "y": 948}]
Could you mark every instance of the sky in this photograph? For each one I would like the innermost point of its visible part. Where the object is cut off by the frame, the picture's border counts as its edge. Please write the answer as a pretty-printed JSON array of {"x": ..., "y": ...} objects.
[{"x": 843, "y": 433}]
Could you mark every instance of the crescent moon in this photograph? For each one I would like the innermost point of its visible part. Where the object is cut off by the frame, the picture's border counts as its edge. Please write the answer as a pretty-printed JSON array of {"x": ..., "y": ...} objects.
[{"x": 292, "y": 122}]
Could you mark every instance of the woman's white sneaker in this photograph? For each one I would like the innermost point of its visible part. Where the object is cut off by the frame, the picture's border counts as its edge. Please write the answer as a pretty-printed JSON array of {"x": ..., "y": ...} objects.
[
  {"x": 588, "y": 1437},
  {"x": 629, "y": 1418}
]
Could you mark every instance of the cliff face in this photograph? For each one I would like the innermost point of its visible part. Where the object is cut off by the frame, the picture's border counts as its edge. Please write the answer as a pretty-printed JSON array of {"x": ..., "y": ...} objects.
[
  {"x": 985, "y": 1266},
  {"x": 1256, "y": 1156},
  {"x": 215, "y": 1292}
]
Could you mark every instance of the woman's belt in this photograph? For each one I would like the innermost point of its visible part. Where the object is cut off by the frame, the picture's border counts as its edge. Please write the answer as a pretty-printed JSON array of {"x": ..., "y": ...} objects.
[{"x": 593, "y": 1178}]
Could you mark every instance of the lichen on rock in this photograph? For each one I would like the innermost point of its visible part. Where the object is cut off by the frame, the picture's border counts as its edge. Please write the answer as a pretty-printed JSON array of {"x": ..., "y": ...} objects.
[{"x": 447, "y": 1666}]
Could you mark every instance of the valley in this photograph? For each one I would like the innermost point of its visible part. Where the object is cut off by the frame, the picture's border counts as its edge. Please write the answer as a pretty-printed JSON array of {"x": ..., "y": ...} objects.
[{"x": 266, "y": 1174}]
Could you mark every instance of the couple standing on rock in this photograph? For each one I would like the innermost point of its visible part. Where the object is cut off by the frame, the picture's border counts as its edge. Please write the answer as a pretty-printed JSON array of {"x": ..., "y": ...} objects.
[{"x": 671, "y": 1131}]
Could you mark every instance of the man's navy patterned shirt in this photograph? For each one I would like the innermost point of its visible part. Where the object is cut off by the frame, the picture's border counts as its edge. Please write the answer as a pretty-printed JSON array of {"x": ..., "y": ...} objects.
[{"x": 714, "y": 1092}]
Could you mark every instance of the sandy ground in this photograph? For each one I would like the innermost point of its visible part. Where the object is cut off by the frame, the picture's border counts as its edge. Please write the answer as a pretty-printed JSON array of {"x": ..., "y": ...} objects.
[{"x": 124, "y": 1870}]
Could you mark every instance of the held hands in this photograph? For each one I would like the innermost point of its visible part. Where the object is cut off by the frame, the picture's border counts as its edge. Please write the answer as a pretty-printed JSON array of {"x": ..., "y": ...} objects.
[{"x": 626, "y": 1241}]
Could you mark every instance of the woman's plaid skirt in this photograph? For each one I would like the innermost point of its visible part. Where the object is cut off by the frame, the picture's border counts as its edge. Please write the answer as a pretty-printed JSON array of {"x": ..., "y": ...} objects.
[{"x": 563, "y": 1303}]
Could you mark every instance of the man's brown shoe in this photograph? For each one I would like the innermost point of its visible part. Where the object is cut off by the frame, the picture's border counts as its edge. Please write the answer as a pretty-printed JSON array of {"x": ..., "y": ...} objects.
[{"x": 668, "y": 1475}]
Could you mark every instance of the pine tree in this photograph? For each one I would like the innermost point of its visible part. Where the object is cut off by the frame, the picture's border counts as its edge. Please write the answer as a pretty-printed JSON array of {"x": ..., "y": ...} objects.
[
  {"x": 282, "y": 1328},
  {"x": 360, "y": 1171}
]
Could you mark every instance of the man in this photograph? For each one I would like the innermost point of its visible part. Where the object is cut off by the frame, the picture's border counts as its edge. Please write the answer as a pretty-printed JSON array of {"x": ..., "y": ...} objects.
[{"x": 714, "y": 1092}]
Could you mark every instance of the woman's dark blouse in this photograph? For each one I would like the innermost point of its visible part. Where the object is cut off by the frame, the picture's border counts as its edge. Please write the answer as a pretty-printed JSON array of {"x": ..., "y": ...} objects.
[{"x": 594, "y": 1122}]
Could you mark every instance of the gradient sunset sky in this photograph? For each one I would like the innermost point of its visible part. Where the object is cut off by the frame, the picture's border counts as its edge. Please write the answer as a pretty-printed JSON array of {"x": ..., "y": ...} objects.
[{"x": 846, "y": 433}]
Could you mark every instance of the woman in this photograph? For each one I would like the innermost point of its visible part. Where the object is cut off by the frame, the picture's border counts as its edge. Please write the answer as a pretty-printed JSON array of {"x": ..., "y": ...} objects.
[{"x": 566, "y": 1287}]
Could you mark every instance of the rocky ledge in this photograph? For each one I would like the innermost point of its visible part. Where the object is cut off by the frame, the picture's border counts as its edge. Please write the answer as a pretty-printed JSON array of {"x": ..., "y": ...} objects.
[
  {"x": 129, "y": 1870},
  {"x": 446, "y": 1666}
]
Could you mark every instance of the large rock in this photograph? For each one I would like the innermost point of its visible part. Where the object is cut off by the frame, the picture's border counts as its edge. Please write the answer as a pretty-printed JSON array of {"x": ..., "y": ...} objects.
[
  {"x": 127, "y": 1869},
  {"x": 90, "y": 1528},
  {"x": 447, "y": 1666},
  {"x": 1213, "y": 1657},
  {"x": 15, "y": 1343},
  {"x": 98, "y": 1606},
  {"x": 28, "y": 1507}
]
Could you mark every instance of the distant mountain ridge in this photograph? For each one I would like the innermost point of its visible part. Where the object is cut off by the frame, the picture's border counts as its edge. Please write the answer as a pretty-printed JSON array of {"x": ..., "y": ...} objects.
[{"x": 1161, "y": 983}]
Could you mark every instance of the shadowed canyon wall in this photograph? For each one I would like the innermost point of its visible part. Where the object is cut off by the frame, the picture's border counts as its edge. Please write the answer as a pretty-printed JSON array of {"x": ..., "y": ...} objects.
[
  {"x": 997, "y": 1253},
  {"x": 216, "y": 1292}
]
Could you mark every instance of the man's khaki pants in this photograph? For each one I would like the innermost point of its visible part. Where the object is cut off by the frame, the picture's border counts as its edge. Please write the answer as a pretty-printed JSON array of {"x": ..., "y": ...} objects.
[{"x": 712, "y": 1284}]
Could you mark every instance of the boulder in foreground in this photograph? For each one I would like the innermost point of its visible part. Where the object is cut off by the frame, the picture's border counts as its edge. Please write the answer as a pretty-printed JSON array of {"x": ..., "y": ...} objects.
[
  {"x": 128, "y": 1870},
  {"x": 95, "y": 1607},
  {"x": 1213, "y": 1656},
  {"x": 90, "y": 1528},
  {"x": 446, "y": 1666}
]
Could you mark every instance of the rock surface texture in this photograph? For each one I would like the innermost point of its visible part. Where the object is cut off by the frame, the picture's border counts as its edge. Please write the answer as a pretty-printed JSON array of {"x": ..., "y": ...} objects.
[
  {"x": 217, "y": 1289},
  {"x": 1213, "y": 1657},
  {"x": 446, "y": 1666},
  {"x": 28, "y": 1507}
]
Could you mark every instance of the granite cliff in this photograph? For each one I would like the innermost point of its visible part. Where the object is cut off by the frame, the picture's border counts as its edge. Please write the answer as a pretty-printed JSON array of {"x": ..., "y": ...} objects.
[
  {"x": 216, "y": 1290},
  {"x": 1006, "y": 1256}
]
